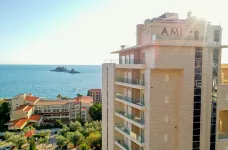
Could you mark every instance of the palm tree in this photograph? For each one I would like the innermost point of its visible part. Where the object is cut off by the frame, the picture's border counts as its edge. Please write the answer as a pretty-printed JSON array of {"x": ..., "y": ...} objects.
[{"x": 59, "y": 96}]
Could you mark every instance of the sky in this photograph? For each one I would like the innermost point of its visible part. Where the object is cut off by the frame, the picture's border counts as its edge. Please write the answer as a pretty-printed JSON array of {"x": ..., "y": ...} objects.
[{"x": 84, "y": 32}]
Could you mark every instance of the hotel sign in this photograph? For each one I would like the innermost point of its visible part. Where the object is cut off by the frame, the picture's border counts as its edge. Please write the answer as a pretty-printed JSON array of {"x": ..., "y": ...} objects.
[{"x": 172, "y": 31}]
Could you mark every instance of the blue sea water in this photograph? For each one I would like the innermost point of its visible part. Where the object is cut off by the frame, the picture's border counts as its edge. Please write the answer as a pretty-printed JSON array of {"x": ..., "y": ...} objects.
[{"x": 38, "y": 80}]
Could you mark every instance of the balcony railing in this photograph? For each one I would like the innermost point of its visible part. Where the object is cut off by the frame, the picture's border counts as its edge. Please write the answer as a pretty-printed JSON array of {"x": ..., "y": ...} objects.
[
  {"x": 131, "y": 117},
  {"x": 223, "y": 136},
  {"x": 190, "y": 38},
  {"x": 139, "y": 102},
  {"x": 122, "y": 143},
  {"x": 130, "y": 81},
  {"x": 131, "y": 134},
  {"x": 132, "y": 61}
]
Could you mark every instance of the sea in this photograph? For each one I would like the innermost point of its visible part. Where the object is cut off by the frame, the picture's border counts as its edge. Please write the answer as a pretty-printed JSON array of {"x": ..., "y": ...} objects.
[{"x": 40, "y": 81}]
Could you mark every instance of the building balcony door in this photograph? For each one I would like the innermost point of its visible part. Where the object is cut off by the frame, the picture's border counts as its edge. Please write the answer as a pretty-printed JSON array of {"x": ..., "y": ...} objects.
[
  {"x": 132, "y": 59},
  {"x": 127, "y": 59}
]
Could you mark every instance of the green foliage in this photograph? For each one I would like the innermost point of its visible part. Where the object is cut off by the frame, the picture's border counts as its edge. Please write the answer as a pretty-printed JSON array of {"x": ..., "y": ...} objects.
[
  {"x": 18, "y": 140},
  {"x": 4, "y": 115},
  {"x": 86, "y": 137},
  {"x": 64, "y": 130},
  {"x": 43, "y": 142},
  {"x": 89, "y": 93},
  {"x": 8, "y": 135},
  {"x": 79, "y": 95},
  {"x": 28, "y": 128},
  {"x": 75, "y": 126},
  {"x": 32, "y": 145},
  {"x": 61, "y": 140},
  {"x": 59, "y": 96},
  {"x": 84, "y": 146},
  {"x": 65, "y": 98},
  {"x": 75, "y": 137},
  {"x": 95, "y": 111},
  {"x": 44, "y": 133},
  {"x": 94, "y": 140},
  {"x": 58, "y": 123}
]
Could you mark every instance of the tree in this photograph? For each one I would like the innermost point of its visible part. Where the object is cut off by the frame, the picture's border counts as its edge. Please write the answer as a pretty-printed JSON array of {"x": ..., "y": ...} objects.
[
  {"x": 28, "y": 128},
  {"x": 32, "y": 145},
  {"x": 8, "y": 135},
  {"x": 75, "y": 126},
  {"x": 43, "y": 142},
  {"x": 95, "y": 111},
  {"x": 61, "y": 141},
  {"x": 45, "y": 133},
  {"x": 75, "y": 137},
  {"x": 79, "y": 95},
  {"x": 58, "y": 123},
  {"x": 84, "y": 146},
  {"x": 59, "y": 96},
  {"x": 18, "y": 140},
  {"x": 89, "y": 93},
  {"x": 65, "y": 98},
  {"x": 94, "y": 140},
  {"x": 64, "y": 130},
  {"x": 4, "y": 115}
]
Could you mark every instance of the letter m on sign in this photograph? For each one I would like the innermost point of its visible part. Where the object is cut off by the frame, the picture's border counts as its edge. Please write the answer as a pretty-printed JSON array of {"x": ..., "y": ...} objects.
[{"x": 174, "y": 31}]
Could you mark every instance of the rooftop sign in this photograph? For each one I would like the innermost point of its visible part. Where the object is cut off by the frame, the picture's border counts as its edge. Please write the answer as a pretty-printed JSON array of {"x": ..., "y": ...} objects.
[{"x": 172, "y": 31}]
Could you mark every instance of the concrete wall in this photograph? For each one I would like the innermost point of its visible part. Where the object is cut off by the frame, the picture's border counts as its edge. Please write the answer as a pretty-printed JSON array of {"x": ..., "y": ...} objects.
[
  {"x": 164, "y": 116},
  {"x": 180, "y": 30},
  {"x": 17, "y": 101},
  {"x": 108, "y": 108}
]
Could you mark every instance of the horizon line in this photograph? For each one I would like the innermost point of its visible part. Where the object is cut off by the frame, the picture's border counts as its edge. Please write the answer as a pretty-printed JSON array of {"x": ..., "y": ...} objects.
[{"x": 57, "y": 64}]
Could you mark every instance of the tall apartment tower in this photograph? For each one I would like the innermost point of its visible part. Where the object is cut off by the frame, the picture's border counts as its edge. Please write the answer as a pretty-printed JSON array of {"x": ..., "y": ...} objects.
[{"x": 163, "y": 93}]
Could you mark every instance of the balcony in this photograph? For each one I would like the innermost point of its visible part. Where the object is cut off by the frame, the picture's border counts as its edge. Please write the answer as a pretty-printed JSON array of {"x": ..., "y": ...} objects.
[
  {"x": 134, "y": 137},
  {"x": 163, "y": 39},
  {"x": 133, "y": 83},
  {"x": 187, "y": 38},
  {"x": 129, "y": 63},
  {"x": 121, "y": 144},
  {"x": 139, "y": 122},
  {"x": 223, "y": 136},
  {"x": 137, "y": 103}
]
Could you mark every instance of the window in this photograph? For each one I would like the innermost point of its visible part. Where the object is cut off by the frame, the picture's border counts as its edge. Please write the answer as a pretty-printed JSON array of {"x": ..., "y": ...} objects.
[
  {"x": 122, "y": 59},
  {"x": 166, "y": 137},
  {"x": 166, "y": 99},
  {"x": 167, "y": 77},
  {"x": 216, "y": 35},
  {"x": 196, "y": 35},
  {"x": 166, "y": 118}
]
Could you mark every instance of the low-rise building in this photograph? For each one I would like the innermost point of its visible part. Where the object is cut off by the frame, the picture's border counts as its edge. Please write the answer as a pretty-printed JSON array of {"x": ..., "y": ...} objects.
[
  {"x": 26, "y": 108},
  {"x": 96, "y": 95}
]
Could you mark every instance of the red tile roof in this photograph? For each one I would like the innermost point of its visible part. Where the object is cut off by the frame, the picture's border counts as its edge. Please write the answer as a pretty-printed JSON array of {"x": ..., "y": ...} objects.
[
  {"x": 95, "y": 90},
  {"x": 19, "y": 123},
  {"x": 84, "y": 99},
  {"x": 24, "y": 107},
  {"x": 28, "y": 108},
  {"x": 21, "y": 107},
  {"x": 31, "y": 98},
  {"x": 35, "y": 117},
  {"x": 30, "y": 133}
]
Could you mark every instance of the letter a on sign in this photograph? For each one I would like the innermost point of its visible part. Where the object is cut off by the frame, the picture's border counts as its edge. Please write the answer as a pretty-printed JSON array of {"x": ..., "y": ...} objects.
[{"x": 164, "y": 31}]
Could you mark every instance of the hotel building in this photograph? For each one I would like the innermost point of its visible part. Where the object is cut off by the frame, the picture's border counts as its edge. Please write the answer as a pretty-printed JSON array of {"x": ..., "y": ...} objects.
[
  {"x": 167, "y": 92},
  {"x": 26, "y": 108},
  {"x": 96, "y": 95}
]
